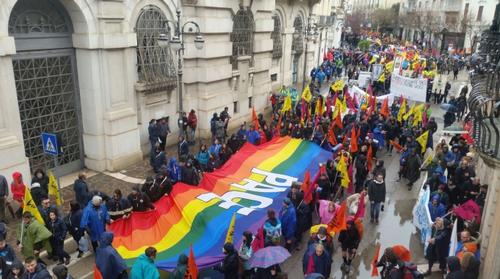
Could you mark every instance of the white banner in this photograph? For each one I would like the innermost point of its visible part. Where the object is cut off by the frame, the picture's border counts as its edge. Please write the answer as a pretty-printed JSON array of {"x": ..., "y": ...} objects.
[
  {"x": 422, "y": 217},
  {"x": 454, "y": 240},
  {"x": 414, "y": 89},
  {"x": 363, "y": 79},
  {"x": 377, "y": 70},
  {"x": 361, "y": 93}
]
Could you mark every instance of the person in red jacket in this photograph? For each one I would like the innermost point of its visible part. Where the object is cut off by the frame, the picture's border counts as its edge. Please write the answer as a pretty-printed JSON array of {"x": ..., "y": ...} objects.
[
  {"x": 17, "y": 187},
  {"x": 192, "y": 123}
]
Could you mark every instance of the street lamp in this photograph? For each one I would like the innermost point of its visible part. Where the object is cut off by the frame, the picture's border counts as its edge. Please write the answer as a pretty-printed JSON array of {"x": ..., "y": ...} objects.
[
  {"x": 310, "y": 34},
  {"x": 177, "y": 44}
]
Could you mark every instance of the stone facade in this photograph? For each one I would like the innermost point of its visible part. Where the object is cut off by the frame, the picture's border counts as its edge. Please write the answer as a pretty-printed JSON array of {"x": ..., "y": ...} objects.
[{"x": 116, "y": 107}]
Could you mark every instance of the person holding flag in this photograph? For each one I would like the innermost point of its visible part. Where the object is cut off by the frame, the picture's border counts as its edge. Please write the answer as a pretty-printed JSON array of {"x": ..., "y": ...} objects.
[{"x": 33, "y": 236}]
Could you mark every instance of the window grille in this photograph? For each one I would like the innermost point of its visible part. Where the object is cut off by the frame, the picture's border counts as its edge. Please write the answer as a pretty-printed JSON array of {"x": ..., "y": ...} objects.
[
  {"x": 242, "y": 35},
  {"x": 276, "y": 37},
  {"x": 298, "y": 36},
  {"x": 155, "y": 64},
  {"x": 37, "y": 16}
]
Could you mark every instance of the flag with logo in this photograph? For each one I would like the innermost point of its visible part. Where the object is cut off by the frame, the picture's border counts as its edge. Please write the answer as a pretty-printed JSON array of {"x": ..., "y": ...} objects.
[
  {"x": 29, "y": 205},
  {"x": 230, "y": 230},
  {"x": 422, "y": 140},
  {"x": 339, "y": 221},
  {"x": 192, "y": 269},
  {"x": 306, "y": 94},
  {"x": 54, "y": 189}
]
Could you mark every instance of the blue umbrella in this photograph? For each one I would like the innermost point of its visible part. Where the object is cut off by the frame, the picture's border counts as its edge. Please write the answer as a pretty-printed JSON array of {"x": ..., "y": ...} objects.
[
  {"x": 449, "y": 108},
  {"x": 269, "y": 256}
]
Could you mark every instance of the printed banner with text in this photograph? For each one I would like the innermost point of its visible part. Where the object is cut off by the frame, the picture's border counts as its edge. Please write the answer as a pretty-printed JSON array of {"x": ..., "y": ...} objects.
[
  {"x": 254, "y": 180},
  {"x": 414, "y": 89}
]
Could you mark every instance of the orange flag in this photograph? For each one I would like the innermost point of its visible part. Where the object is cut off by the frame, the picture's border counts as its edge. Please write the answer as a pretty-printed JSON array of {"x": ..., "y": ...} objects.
[
  {"x": 338, "y": 121},
  {"x": 396, "y": 145},
  {"x": 97, "y": 273},
  {"x": 192, "y": 269},
  {"x": 369, "y": 158},
  {"x": 385, "y": 108},
  {"x": 306, "y": 187},
  {"x": 339, "y": 221},
  {"x": 375, "y": 261},
  {"x": 255, "y": 120},
  {"x": 354, "y": 141},
  {"x": 332, "y": 139}
]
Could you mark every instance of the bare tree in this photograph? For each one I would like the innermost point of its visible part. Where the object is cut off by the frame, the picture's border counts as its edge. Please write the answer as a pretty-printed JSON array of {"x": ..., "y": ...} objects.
[{"x": 473, "y": 29}]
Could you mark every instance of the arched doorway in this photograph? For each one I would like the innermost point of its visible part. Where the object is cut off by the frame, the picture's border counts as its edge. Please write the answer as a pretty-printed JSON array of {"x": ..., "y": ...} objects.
[{"x": 46, "y": 82}]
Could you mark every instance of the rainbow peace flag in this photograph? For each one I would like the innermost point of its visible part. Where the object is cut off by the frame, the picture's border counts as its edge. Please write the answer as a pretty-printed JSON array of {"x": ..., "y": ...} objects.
[{"x": 254, "y": 180}]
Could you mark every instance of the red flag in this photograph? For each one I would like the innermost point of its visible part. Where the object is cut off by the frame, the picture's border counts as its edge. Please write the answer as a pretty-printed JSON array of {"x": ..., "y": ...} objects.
[
  {"x": 360, "y": 213},
  {"x": 375, "y": 261},
  {"x": 338, "y": 121},
  {"x": 306, "y": 187},
  {"x": 468, "y": 211},
  {"x": 384, "y": 110},
  {"x": 354, "y": 141},
  {"x": 396, "y": 145},
  {"x": 332, "y": 139},
  {"x": 192, "y": 269},
  {"x": 369, "y": 158},
  {"x": 339, "y": 221},
  {"x": 97, "y": 273},
  {"x": 278, "y": 127},
  {"x": 255, "y": 120},
  {"x": 258, "y": 242},
  {"x": 350, "y": 190}
]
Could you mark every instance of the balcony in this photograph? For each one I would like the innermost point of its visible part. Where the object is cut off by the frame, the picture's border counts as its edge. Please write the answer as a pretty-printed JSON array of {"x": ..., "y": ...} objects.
[{"x": 484, "y": 99}]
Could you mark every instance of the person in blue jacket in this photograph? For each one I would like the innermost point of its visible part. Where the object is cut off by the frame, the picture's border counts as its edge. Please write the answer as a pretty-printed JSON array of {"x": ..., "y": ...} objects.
[
  {"x": 109, "y": 263},
  {"x": 203, "y": 156},
  {"x": 174, "y": 170},
  {"x": 253, "y": 136},
  {"x": 436, "y": 208},
  {"x": 379, "y": 136},
  {"x": 144, "y": 267},
  {"x": 288, "y": 219},
  {"x": 94, "y": 219}
]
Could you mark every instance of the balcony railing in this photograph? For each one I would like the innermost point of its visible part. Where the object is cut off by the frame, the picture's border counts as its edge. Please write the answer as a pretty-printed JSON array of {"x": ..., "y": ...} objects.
[{"x": 484, "y": 99}]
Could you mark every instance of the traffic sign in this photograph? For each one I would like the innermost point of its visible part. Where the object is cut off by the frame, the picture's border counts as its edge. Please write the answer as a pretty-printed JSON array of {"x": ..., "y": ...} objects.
[{"x": 50, "y": 144}]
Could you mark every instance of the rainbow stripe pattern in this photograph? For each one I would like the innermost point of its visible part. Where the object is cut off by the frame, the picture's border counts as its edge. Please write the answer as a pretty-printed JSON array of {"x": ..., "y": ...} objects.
[{"x": 254, "y": 180}]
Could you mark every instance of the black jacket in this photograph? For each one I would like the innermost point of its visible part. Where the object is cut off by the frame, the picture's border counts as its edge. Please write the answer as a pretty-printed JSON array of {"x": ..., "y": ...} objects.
[
  {"x": 140, "y": 202},
  {"x": 58, "y": 229},
  {"x": 376, "y": 191}
]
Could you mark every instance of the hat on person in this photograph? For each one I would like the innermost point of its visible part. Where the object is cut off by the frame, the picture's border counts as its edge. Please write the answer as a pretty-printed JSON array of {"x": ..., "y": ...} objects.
[{"x": 96, "y": 200}]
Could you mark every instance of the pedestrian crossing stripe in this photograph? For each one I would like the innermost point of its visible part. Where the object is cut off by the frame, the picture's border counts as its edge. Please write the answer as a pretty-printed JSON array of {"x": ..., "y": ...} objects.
[{"x": 49, "y": 146}]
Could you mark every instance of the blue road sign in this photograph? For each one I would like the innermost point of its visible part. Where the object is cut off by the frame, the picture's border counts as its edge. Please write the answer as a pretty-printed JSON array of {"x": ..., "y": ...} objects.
[{"x": 50, "y": 144}]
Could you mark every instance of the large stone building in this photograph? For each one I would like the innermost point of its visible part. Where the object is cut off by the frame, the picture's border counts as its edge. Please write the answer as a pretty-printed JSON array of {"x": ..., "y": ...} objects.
[
  {"x": 443, "y": 24},
  {"x": 94, "y": 73}
]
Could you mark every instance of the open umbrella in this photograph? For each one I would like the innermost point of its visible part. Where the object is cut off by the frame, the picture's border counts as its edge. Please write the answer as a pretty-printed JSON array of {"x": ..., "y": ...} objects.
[
  {"x": 402, "y": 253},
  {"x": 449, "y": 108},
  {"x": 269, "y": 256}
]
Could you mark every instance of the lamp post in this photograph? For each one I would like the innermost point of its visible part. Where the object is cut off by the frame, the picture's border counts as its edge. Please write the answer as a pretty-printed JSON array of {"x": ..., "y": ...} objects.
[
  {"x": 177, "y": 44},
  {"x": 310, "y": 33}
]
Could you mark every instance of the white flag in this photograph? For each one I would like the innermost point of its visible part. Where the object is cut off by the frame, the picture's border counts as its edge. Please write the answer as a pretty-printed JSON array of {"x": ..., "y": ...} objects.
[{"x": 453, "y": 242}]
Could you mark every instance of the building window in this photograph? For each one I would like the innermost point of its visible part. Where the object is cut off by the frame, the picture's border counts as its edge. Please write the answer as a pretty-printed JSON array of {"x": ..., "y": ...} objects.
[
  {"x": 480, "y": 13},
  {"x": 155, "y": 64},
  {"x": 466, "y": 10},
  {"x": 276, "y": 37},
  {"x": 250, "y": 104},
  {"x": 298, "y": 36},
  {"x": 235, "y": 107},
  {"x": 274, "y": 77},
  {"x": 242, "y": 35}
]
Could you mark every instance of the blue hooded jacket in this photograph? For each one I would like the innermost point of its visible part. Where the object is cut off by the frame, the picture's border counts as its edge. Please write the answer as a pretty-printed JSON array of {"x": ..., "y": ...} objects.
[
  {"x": 107, "y": 259},
  {"x": 377, "y": 134},
  {"x": 174, "y": 171},
  {"x": 94, "y": 220},
  {"x": 436, "y": 211},
  {"x": 288, "y": 220}
]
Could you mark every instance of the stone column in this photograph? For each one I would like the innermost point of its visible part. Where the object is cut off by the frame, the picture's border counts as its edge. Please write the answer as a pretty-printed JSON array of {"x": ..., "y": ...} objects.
[
  {"x": 106, "y": 73},
  {"x": 12, "y": 153}
]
